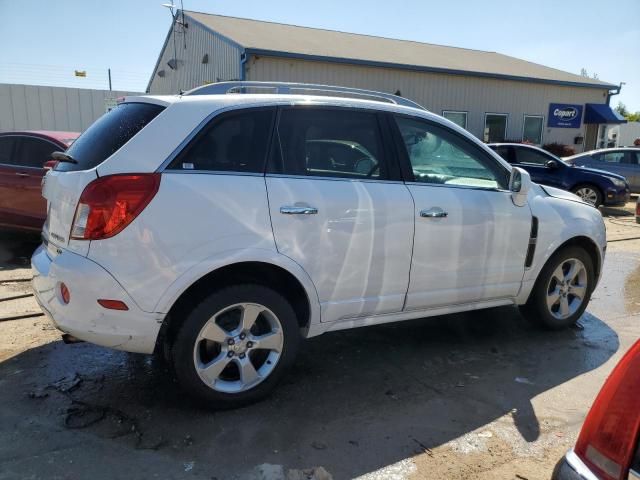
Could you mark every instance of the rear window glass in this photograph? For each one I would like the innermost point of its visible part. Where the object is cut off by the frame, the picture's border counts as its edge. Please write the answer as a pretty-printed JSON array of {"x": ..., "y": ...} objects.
[{"x": 107, "y": 134}]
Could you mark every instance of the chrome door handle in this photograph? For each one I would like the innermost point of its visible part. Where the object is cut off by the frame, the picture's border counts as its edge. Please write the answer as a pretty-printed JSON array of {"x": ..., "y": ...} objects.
[
  {"x": 433, "y": 213},
  {"x": 20, "y": 174},
  {"x": 287, "y": 210}
]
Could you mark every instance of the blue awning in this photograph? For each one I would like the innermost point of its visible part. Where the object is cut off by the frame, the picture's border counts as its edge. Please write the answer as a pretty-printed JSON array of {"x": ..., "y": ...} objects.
[{"x": 601, "y": 113}]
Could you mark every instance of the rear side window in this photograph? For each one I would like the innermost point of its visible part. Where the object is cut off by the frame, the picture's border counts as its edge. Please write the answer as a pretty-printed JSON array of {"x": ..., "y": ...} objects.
[
  {"x": 329, "y": 143},
  {"x": 107, "y": 134},
  {"x": 34, "y": 152},
  {"x": 233, "y": 142},
  {"x": 6, "y": 150}
]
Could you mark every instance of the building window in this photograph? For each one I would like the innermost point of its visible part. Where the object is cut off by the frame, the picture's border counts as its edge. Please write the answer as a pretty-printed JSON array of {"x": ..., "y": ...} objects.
[
  {"x": 532, "y": 129},
  {"x": 459, "y": 118},
  {"x": 495, "y": 127}
]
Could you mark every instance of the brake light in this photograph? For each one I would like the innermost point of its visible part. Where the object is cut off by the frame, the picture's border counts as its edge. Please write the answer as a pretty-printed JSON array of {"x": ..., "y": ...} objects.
[
  {"x": 108, "y": 204},
  {"x": 113, "y": 304},
  {"x": 609, "y": 435}
]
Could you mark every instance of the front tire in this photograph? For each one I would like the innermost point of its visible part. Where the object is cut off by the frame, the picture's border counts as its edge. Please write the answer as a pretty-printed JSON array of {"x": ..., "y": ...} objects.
[
  {"x": 563, "y": 289},
  {"x": 234, "y": 347},
  {"x": 589, "y": 193}
]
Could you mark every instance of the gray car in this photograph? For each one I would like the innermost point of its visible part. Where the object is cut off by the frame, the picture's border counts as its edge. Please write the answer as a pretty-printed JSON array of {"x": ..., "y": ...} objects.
[{"x": 623, "y": 161}]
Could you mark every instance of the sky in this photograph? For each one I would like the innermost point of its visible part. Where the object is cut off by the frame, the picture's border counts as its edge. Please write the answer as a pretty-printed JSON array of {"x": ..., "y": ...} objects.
[{"x": 44, "y": 41}]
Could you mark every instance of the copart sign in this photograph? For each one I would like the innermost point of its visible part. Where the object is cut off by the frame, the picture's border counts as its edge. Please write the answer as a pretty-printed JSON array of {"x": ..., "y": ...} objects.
[{"x": 563, "y": 115}]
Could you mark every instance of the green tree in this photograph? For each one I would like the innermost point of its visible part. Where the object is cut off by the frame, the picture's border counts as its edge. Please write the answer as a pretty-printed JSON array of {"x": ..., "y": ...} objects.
[{"x": 621, "y": 108}]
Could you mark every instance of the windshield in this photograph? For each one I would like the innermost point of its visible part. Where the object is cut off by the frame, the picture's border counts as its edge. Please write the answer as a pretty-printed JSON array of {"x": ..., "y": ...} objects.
[{"x": 107, "y": 134}]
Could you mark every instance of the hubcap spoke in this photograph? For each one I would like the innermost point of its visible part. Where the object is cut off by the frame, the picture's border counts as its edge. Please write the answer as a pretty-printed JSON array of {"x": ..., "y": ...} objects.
[
  {"x": 558, "y": 273},
  {"x": 212, "y": 370},
  {"x": 564, "y": 306},
  {"x": 248, "y": 373},
  {"x": 578, "y": 291},
  {"x": 269, "y": 341},
  {"x": 249, "y": 315},
  {"x": 553, "y": 297},
  {"x": 212, "y": 331},
  {"x": 572, "y": 272}
]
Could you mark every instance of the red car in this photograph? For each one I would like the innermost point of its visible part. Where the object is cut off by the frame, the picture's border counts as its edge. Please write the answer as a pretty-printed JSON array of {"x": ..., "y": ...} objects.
[
  {"x": 608, "y": 446},
  {"x": 22, "y": 165}
]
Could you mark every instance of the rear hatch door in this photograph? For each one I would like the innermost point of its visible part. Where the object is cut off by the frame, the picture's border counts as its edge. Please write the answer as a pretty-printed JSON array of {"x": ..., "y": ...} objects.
[{"x": 63, "y": 186}]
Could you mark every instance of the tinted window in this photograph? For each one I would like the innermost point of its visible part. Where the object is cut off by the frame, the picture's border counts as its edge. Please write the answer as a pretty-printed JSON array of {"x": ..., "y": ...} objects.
[
  {"x": 610, "y": 157},
  {"x": 33, "y": 152},
  {"x": 440, "y": 156},
  {"x": 107, "y": 134},
  {"x": 504, "y": 151},
  {"x": 6, "y": 149},
  {"x": 531, "y": 156},
  {"x": 235, "y": 142},
  {"x": 329, "y": 143}
]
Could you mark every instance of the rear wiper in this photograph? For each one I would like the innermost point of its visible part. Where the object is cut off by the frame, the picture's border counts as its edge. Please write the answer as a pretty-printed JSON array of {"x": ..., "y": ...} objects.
[{"x": 63, "y": 157}]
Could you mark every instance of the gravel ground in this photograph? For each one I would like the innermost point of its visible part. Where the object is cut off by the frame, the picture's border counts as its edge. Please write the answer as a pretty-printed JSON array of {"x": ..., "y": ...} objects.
[{"x": 481, "y": 395}]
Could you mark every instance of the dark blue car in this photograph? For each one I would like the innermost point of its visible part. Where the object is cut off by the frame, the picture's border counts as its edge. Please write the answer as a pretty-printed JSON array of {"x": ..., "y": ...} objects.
[{"x": 594, "y": 186}]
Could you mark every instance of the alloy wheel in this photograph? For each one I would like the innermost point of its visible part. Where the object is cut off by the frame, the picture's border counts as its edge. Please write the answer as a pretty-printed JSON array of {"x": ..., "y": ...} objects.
[
  {"x": 567, "y": 288},
  {"x": 238, "y": 347},
  {"x": 587, "y": 194}
]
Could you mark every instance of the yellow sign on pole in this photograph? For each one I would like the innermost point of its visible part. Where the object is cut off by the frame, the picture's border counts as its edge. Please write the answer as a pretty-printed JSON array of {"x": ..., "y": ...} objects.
[{"x": 81, "y": 73}]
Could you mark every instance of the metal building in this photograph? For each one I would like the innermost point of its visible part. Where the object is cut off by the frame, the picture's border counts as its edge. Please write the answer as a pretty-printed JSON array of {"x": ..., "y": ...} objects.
[
  {"x": 494, "y": 96},
  {"x": 36, "y": 107}
]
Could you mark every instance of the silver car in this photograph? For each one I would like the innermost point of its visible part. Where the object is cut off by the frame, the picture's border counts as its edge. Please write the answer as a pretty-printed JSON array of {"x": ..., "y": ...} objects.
[{"x": 623, "y": 161}]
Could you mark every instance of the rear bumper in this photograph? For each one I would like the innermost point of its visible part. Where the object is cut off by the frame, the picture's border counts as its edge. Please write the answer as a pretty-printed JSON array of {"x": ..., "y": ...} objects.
[
  {"x": 132, "y": 330},
  {"x": 570, "y": 467}
]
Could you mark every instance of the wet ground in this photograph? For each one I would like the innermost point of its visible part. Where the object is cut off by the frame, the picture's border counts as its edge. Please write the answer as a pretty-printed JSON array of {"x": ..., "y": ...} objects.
[{"x": 481, "y": 395}]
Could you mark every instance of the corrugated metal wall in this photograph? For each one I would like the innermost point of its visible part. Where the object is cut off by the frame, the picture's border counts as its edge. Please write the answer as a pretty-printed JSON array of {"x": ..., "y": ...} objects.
[
  {"x": 438, "y": 92},
  {"x": 223, "y": 60},
  {"x": 30, "y": 107}
]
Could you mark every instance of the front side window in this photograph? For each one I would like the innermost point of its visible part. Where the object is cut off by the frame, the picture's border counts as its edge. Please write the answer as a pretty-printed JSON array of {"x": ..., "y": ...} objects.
[
  {"x": 107, "y": 134},
  {"x": 234, "y": 142},
  {"x": 531, "y": 156},
  {"x": 34, "y": 152},
  {"x": 459, "y": 118},
  {"x": 6, "y": 150},
  {"x": 505, "y": 151},
  {"x": 322, "y": 142},
  {"x": 532, "y": 129},
  {"x": 495, "y": 127},
  {"x": 439, "y": 156}
]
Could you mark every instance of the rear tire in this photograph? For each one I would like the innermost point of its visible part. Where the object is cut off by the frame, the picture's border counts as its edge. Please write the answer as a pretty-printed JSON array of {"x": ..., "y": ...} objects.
[
  {"x": 235, "y": 346},
  {"x": 589, "y": 193},
  {"x": 562, "y": 291}
]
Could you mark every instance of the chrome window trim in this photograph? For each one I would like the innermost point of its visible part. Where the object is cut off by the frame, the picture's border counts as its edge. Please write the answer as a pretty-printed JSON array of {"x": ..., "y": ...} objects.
[
  {"x": 13, "y": 165},
  {"x": 465, "y": 187},
  {"x": 334, "y": 179},
  {"x": 214, "y": 172}
]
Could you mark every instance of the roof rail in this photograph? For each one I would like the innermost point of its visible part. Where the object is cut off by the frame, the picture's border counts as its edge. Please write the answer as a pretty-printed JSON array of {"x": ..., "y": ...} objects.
[{"x": 221, "y": 88}]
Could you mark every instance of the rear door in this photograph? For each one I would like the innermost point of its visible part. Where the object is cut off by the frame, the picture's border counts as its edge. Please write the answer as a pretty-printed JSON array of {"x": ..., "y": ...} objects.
[
  {"x": 615, "y": 161},
  {"x": 65, "y": 183},
  {"x": 339, "y": 209},
  {"x": 8, "y": 215},
  {"x": 470, "y": 239},
  {"x": 632, "y": 159}
]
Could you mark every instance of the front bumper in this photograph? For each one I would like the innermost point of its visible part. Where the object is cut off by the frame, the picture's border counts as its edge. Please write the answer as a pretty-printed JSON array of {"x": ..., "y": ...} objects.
[
  {"x": 132, "y": 330},
  {"x": 616, "y": 197},
  {"x": 570, "y": 467}
]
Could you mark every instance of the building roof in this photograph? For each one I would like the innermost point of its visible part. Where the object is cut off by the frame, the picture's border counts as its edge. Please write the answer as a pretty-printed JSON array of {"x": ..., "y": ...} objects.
[{"x": 277, "y": 39}]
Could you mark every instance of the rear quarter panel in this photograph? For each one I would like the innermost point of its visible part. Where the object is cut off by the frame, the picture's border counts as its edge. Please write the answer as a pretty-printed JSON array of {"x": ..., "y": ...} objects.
[{"x": 192, "y": 217}]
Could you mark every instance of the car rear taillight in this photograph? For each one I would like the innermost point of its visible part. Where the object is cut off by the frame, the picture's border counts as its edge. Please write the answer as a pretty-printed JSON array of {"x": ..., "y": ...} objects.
[
  {"x": 609, "y": 435},
  {"x": 637, "y": 209},
  {"x": 108, "y": 204}
]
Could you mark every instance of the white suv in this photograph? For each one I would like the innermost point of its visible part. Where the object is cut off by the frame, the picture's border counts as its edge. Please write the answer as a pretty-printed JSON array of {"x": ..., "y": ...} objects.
[{"x": 221, "y": 227}]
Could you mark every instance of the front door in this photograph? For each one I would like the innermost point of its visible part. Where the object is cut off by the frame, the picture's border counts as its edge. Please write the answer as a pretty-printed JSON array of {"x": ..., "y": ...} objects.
[
  {"x": 470, "y": 239},
  {"x": 534, "y": 162},
  {"x": 339, "y": 210}
]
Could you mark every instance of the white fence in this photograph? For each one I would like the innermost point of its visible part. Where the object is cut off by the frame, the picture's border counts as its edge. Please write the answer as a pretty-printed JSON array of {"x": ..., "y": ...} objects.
[{"x": 30, "y": 107}]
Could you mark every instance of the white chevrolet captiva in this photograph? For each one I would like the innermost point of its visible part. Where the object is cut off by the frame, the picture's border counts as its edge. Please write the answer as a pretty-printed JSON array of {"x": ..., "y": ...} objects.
[{"x": 222, "y": 226}]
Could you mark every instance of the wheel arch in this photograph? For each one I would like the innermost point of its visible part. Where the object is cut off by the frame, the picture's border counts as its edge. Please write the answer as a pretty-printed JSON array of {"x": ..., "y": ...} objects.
[{"x": 294, "y": 285}]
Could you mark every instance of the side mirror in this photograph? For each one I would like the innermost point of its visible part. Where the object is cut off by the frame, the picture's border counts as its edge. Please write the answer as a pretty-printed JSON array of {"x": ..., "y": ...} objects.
[
  {"x": 551, "y": 164},
  {"x": 519, "y": 185},
  {"x": 49, "y": 165}
]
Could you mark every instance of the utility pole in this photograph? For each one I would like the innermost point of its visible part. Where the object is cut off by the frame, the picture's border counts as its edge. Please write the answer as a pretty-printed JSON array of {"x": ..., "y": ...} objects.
[{"x": 109, "y": 72}]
